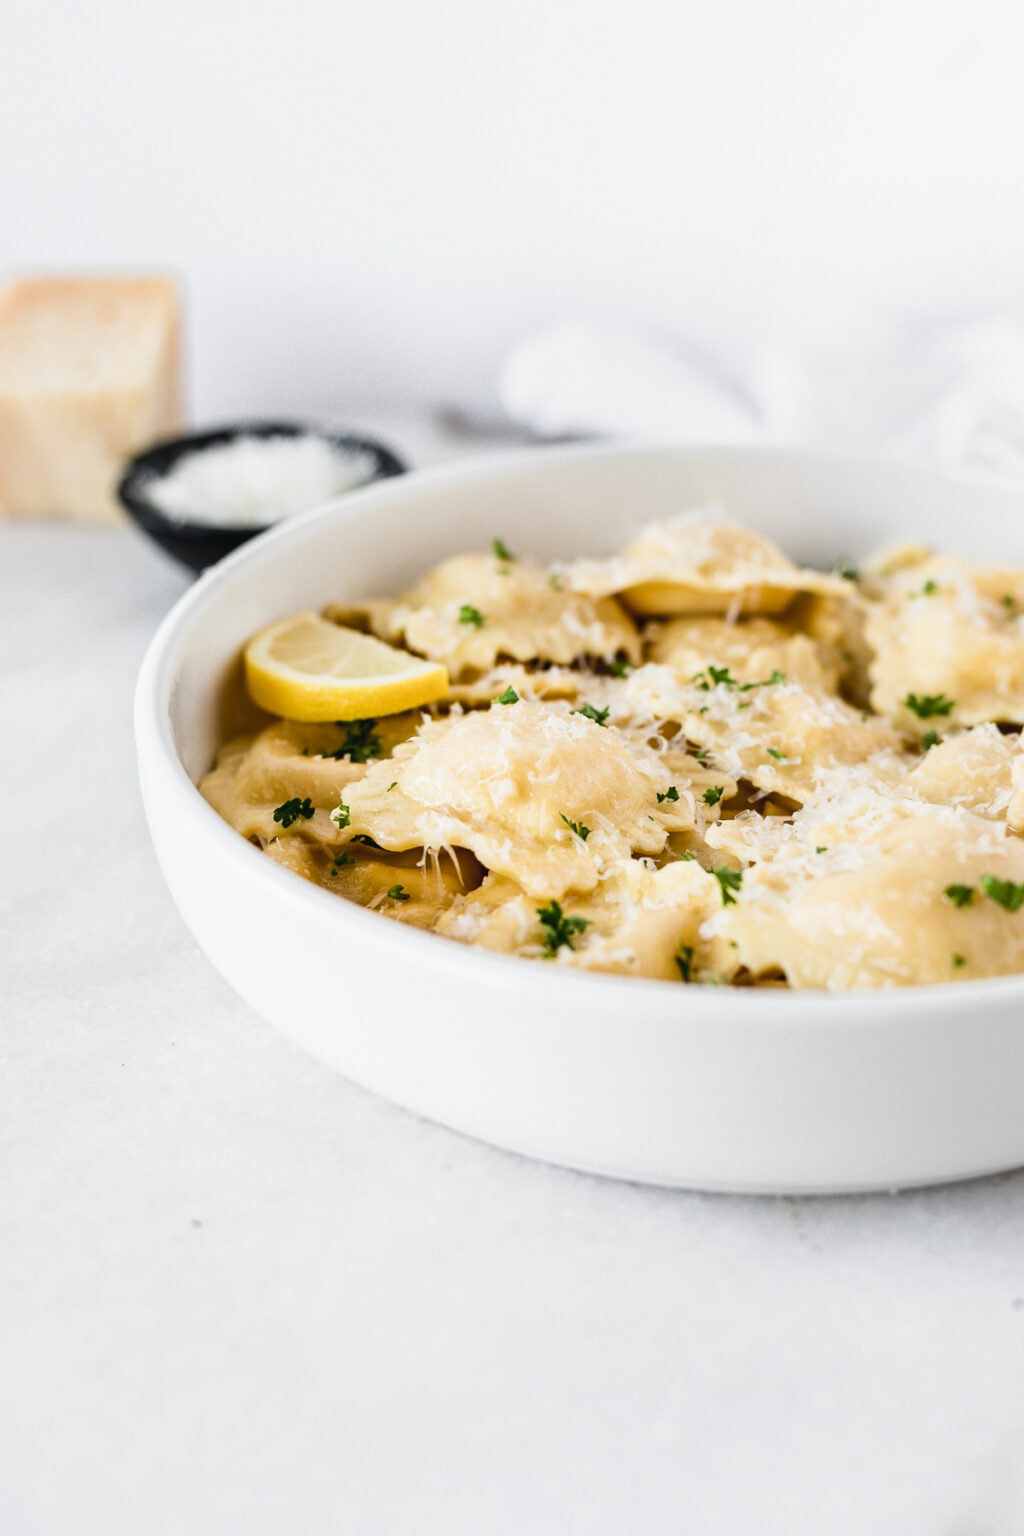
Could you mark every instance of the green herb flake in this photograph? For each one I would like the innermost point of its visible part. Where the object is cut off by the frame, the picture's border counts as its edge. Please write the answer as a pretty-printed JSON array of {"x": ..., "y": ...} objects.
[
  {"x": 399, "y": 893},
  {"x": 959, "y": 895},
  {"x": 340, "y": 817},
  {"x": 341, "y": 859},
  {"x": 721, "y": 676},
  {"x": 780, "y": 757},
  {"x": 619, "y": 667},
  {"x": 958, "y": 961},
  {"x": 580, "y": 830},
  {"x": 599, "y": 716},
  {"x": 1005, "y": 892},
  {"x": 776, "y": 678},
  {"x": 684, "y": 960},
  {"x": 293, "y": 810},
  {"x": 361, "y": 741},
  {"x": 501, "y": 551},
  {"x": 821, "y": 848},
  {"x": 925, "y": 705},
  {"x": 929, "y": 589},
  {"x": 470, "y": 615},
  {"x": 702, "y": 755},
  {"x": 559, "y": 927},
  {"x": 713, "y": 795},
  {"x": 391, "y": 786},
  {"x": 1008, "y": 600},
  {"x": 930, "y": 739},
  {"x": 508, "y": 697},
  {"x": 729, "y": 881},
  {"x": 670, "y": 794},
  {"x": 555, "y": 582}
]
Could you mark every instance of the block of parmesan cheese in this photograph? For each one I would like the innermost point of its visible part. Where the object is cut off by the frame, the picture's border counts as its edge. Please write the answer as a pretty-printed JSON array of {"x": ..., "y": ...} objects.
[{"x": 89, "y": 375}]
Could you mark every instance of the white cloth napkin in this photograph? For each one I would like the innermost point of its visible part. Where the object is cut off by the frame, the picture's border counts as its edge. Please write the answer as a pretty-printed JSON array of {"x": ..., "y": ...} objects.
[{"x": 952, "y": 392}]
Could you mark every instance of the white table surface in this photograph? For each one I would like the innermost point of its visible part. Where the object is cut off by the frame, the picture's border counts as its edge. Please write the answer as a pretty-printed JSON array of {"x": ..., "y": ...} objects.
[{"x": 240, "y": 1296}]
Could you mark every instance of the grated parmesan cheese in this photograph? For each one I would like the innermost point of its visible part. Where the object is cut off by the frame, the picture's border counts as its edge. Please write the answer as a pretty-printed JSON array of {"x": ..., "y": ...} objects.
[{"x": 252, "y": 482}]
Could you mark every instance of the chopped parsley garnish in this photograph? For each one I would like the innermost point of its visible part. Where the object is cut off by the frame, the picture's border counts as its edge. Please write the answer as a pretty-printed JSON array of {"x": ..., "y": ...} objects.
[
  {"x": 845, "y": 568},
  {"x": 361, "y": 741},
  {"x": 959, "y": 895},
  {"x": 501, "y": 551},
  {"x": 713, "y": 795},
  {"x": 958, "y": 961},
  {"x": 508, "y": 697},
  {"x": 721, "y": 677},
  {"x": 1008, "y": 600},
  {"x": 701, "y": 755},
  {"x": 340, "y": 817},
  {"x": 555, "y": 582},
  {"x": 1005, "y": 892},
  {"x": 688, "y": 858},
  {"x": 930, "y": 739},
  {"x": 391, "y": 786},
  {"x": 341, "y": 859},
  {"x": 767, "y": 682},
  {"x": 470, "y": 615},
  {"x": 670, "y": 794},
  {"x": 292, "y": 810},
  {"x": 399, "y": 893},
  {"x": 580, "y": 830},
  {"x": 928, "y": 704},
  {"x": 780, "y": 757},
  {"x": 599, "y": 716},
  {"x": 821, "y": 848},
  {"x": 619, "y": 667},
  {"x": 729, "y": 881},
  {"x": 684, "y": 960},
  {"x": 929, "y": 589},
  {"x": 559, "y": 927}
]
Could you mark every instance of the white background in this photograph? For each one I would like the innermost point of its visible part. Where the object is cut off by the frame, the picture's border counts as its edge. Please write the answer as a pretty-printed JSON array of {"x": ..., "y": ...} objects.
[{"x": 368, "y": 202}]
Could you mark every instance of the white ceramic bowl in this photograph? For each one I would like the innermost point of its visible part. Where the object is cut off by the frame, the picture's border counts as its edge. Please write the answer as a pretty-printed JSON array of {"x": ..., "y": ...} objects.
[{"x": 703, "y": 1087}]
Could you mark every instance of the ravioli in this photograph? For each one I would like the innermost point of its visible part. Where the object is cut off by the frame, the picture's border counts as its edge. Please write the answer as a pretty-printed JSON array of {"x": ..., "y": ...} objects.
[
  {"x": 973, "y": 769},
  {"x": 412, "y": 887},
  {"x": 879, "y": 913},
  {"x": 256, "y": 774},
  {"x": 779, "y": 734},
  {"x": 699, "y": 563},
  {"x": 948, "y": 643},
  {"x": 750, "y": 648},
  {"x": 1015, "y": 808},
  {"x": 637, "y": 921},
  {"x": 474, "y": 609},
  {"x": 537, "y": 793}
]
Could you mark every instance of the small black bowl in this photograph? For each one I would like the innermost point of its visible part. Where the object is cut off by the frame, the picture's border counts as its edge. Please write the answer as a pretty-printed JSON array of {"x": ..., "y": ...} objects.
[{"x": 198, "y": 545}]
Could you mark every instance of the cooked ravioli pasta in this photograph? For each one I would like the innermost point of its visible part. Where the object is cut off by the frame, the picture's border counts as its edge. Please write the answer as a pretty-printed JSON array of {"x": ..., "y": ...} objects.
[{"x": 694, "y": 762}]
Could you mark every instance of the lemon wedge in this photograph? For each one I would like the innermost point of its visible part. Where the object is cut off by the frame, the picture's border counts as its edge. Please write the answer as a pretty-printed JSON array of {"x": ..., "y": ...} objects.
[{"x": 306, "y": 668}]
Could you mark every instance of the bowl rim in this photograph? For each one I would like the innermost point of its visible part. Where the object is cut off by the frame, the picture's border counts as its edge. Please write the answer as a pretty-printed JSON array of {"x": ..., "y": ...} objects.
[{"x": 784, "y": 1008}]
